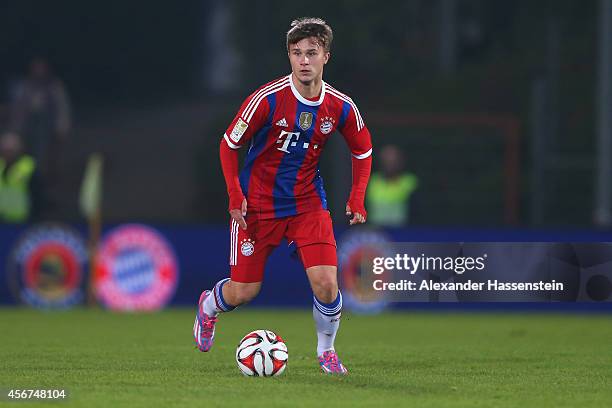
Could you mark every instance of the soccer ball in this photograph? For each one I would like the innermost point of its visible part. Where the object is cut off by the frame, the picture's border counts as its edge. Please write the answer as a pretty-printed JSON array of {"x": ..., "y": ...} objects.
[{"x": 262, "y": 353}]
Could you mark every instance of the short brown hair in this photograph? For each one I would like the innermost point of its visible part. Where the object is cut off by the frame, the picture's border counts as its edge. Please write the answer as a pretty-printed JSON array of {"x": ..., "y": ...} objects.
[{"x": 307, "y": 27}]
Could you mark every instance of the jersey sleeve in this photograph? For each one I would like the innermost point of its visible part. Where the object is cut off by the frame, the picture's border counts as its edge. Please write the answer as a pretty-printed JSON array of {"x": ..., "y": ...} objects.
[
  {"x": 359, "y": 141},
  {"x": 250, "y": 118},
  {"x": 354, "y": 131}
]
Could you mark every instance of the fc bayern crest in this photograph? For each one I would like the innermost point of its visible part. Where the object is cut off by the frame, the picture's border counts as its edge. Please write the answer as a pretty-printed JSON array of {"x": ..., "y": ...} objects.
[
  {"x": 136, "y": 269},
  {"x": 47, "y": 265},
  {"x": 327, "y": 124},
  {"x": 247, "y": 247}
]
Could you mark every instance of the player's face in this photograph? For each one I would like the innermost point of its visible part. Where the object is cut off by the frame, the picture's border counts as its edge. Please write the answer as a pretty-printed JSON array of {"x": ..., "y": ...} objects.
[{"x": 307, "y": 59}]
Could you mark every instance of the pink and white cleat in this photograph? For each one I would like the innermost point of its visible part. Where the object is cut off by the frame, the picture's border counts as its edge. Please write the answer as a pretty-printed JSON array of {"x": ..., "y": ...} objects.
[
  {"x": 204, "y": 326},
  {"x": 331, "y": 364}
]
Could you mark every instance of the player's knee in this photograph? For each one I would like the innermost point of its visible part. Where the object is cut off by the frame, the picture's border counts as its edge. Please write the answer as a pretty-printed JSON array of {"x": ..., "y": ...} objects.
[{"x": 325, "y": 288}]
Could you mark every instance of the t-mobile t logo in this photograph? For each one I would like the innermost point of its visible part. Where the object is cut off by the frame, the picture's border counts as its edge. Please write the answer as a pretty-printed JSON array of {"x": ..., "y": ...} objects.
[{"x": 287, "y": 140}]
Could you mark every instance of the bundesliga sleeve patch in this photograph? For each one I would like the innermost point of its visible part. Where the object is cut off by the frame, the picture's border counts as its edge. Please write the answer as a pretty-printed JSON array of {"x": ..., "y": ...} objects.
[{"x": 239, "y": 129}]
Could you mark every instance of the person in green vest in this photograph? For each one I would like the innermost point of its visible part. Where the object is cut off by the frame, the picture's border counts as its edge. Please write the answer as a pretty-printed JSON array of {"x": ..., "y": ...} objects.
[
  {"x": 390, "y": 190},
  {"x": 17, "y": 176}
]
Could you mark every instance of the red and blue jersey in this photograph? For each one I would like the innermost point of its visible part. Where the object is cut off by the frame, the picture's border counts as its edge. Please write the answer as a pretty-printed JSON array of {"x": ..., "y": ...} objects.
[{"x": 286, "y": 134}]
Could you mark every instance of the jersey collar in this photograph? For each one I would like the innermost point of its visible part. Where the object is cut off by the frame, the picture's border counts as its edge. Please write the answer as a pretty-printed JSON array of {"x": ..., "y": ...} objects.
[{"x": 304, "y": 100}]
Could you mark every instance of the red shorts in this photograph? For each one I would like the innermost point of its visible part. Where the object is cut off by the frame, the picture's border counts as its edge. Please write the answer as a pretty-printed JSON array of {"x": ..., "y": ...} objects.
[{"x": 311, "y": 232}]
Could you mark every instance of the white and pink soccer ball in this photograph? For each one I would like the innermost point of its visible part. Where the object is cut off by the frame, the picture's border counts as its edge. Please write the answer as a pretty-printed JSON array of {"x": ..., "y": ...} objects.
[{"x": 262, "y": 353}]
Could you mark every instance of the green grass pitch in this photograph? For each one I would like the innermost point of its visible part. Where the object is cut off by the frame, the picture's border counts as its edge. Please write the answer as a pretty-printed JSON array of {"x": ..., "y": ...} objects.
[{"x": 105, "y": 359}]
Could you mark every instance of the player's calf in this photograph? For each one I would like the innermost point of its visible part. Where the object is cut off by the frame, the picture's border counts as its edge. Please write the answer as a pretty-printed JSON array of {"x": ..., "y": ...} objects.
[{"x": 239, "y": 293}]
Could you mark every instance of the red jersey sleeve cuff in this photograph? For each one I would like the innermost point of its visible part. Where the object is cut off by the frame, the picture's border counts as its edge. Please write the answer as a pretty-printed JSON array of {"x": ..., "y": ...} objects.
[
  {"x": 357, "y": 206},
  {"x": 235, "y": 201}
]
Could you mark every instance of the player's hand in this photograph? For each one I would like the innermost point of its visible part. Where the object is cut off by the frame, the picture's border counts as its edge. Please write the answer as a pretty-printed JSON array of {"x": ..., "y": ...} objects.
[
  {"x": 239, "y": 214},
  {"x": 356, "y": 218}
]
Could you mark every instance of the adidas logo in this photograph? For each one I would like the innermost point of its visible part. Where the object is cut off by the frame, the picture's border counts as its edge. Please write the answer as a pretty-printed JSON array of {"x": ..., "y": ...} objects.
[{"x": 282, "y": 123}]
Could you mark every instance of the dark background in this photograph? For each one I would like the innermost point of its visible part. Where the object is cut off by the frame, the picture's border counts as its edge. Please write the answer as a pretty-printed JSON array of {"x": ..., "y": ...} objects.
[{"x": 154, "y": 84}]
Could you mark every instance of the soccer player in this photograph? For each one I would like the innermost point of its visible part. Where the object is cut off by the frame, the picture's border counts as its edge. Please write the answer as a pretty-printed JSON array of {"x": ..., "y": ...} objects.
[{"x": 279, "y": 192}]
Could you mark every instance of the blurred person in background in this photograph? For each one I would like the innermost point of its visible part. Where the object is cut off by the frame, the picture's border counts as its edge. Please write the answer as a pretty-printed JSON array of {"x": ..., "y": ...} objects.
[
  {"x": 19, "y": 182},
  {"x": 390, "y": 190},
  {"x": 40, "y": 114}
]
